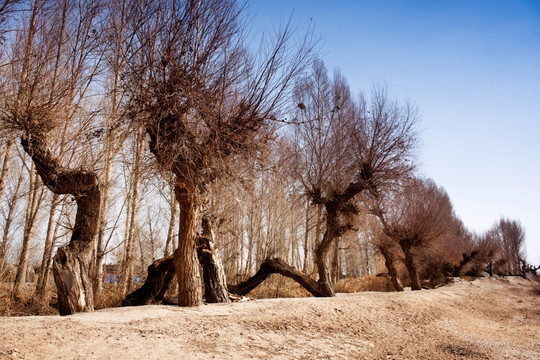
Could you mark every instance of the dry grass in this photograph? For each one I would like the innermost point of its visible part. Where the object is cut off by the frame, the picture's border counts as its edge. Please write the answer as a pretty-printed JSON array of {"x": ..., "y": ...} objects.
[
  {"x": 278, "y": 286},
  {"x": 28, "y": 304},
  {"x": 111, "y": 297},
  {"x": 364, "y": 283}
]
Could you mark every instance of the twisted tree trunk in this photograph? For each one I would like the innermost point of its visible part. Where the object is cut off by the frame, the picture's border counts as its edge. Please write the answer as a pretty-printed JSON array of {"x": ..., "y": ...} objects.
[
  {"x": 391, "y": 267},
  {"x": 162, "y": 271},
  {"x": 70, "y": 264},
  {"x": 277, "y": 266},
  {"x": 411, "y": 267}
]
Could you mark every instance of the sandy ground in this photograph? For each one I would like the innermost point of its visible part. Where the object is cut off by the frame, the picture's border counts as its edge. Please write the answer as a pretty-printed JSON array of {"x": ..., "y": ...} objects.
[{"x": 483, "y": 319}]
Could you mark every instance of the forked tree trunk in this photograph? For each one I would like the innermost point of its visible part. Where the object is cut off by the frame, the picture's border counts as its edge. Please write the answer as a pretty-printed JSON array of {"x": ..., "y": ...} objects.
[
  {"x": 70, "y": 262},
  {"x": 162, "y": 271},
  {"x": 186, "y": 262},
  {"x": 411, "y": 267},
  {"x": 391, "y": 267}
]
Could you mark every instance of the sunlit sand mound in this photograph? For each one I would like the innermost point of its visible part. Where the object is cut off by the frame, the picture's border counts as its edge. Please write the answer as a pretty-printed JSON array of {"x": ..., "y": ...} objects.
[{"x": 482, "y": 319}]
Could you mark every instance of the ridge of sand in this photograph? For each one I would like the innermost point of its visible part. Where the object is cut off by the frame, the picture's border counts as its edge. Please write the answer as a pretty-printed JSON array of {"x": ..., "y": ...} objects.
[{"x": 482, "y": 319}]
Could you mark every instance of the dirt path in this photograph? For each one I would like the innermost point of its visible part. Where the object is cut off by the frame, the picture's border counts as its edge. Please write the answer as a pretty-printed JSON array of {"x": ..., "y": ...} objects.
[{"x": 484, "y": 319}]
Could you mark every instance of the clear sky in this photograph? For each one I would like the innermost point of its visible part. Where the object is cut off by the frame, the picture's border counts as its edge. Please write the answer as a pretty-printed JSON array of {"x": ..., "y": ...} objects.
[{"x": 473, "y": 69}]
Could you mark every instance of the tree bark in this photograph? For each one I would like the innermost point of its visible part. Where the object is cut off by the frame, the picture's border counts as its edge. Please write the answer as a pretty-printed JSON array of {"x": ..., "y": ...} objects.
[
  {"x": 215, "y": 281},
  {"x": 321, "y": 253},
  {"x": 324, "y": 286},
  {"x": 411, "y": 267},
  {"x": 70, "y": 263},
  {"x": 186, "y": 261},
  {"x": 70, "y": 272},
  {"x": 160, "y": 275}
]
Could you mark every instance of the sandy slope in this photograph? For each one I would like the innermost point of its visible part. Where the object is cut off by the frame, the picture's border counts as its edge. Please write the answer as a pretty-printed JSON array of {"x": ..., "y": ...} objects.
[{"x": 484, "y": 319}]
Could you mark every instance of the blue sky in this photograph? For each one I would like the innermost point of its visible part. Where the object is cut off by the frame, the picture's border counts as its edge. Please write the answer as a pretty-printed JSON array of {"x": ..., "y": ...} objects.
[{"x": 473, "y": 70}]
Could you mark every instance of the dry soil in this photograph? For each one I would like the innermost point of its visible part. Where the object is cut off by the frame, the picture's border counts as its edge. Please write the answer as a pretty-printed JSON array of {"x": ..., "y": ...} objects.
[{"x": 482, "y": 319}]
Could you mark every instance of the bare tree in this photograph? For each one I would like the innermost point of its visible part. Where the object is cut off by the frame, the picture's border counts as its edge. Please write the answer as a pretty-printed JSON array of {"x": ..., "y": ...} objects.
[
  {"x": 345, "y": 147},
  {"x": 10, "y": 217},
  {"x": 116, "y": 14},
  {"x": 35, "y": 198},
  {"x": 386, "y": 247},
  {"x": 413, "y": 218},
  {"x": 53, "y": 67},
  {"x": 505, "y": 242},
  {"x": 131, "y": 220},
  {"x": 203, "y": 101}
]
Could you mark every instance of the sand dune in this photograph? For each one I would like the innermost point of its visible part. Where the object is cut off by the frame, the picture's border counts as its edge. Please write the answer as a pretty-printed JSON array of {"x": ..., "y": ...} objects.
[{"x": 482, "y": 319}]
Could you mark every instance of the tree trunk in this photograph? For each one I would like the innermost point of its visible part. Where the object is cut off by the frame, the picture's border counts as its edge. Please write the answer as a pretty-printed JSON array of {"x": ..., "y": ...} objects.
[
  {"x": 127, "y": 270},
  {"x": 277, "y": 266},
  {"x": 335, "y": 262},
  {"x": 170, "y": 244},
  {"x": 306, "y": 240},
  {"x": 42, "y": 280},
  {"x": 9, "y": 220},
  {"x": 104, "y": 206},
  {"x": 5, "y": 167},
  {"x": 162, "y": 271},
  {"x": 321, "y": 253},
  {"x": 411, "y": 267},
  {"x": 32, "y": 209},
  {"x": 75, "y": 292},
  {"x": 186, "y": 262},
  {"x": 49, "y": 257},
  {"x": 391, "y": 267},
  {"x": 70, "y": 263},
  {"x": 160, "y": 274},
  {"x": 215, "y": 282}
]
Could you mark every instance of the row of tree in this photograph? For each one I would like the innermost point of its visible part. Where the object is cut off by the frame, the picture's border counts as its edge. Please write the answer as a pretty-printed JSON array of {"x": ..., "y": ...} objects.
[{"x": 162, "y": 138}]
